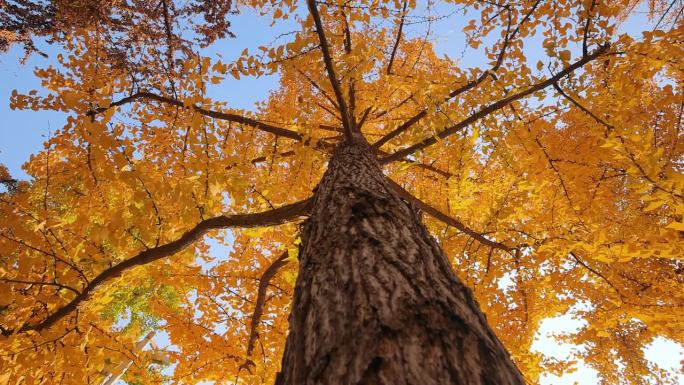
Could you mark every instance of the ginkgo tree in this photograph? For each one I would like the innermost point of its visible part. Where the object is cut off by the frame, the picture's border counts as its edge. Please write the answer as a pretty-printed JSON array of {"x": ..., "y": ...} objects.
[{"x": 380, "y": 202}]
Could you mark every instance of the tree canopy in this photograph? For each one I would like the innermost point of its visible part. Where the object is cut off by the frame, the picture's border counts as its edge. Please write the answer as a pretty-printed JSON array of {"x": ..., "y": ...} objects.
[{"x": 553, "y": 183}]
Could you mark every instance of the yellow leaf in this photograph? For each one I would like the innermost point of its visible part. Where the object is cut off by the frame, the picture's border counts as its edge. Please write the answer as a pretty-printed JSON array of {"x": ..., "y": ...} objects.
[
  {"x": 564, "y": 55},
  {"x": 70, "y": 99},
  {"x": 675, "y": 226},
  {"x": 292, "y": 253},
  {"x": 653, "y": 205}
]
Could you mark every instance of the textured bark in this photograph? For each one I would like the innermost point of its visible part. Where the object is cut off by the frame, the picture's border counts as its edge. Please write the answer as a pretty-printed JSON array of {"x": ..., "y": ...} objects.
[{"x": 376, "y": 301}]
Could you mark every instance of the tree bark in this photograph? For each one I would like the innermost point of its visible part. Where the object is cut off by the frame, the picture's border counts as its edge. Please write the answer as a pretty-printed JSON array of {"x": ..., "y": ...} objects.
[{"x": 376, "y": 300}]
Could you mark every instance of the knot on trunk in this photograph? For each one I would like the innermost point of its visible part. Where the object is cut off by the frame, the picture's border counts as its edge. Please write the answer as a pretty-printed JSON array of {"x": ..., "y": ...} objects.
[{"x": 367, "y": 203}]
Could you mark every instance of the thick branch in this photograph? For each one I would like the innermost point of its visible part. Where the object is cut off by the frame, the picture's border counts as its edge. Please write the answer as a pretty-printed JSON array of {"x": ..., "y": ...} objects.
[
  {"x": 351, "y": 87},
  {"x": 269, "y": 273},
  {"x": 494, "y": 107},
  {"x": 279, "y": 131},
  {"x": 364, "y": 116},
  {"x": 267, "y": 218},
  {"x": 466, "y": 87},
  {"x": 423, "y": 113},
  {"x": 447, "y": 219},
  {"x": 424, "y": 166},
  {"x": 398, "y": 39},
  {"x": 325, "y": 49}
]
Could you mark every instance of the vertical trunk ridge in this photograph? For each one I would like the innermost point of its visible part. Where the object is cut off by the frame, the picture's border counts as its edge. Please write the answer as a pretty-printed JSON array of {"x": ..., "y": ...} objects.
[{"x": 376, "y": 300}]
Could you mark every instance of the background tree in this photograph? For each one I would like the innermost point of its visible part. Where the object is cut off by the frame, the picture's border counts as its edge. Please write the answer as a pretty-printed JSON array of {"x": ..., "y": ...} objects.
[{"x": 551, "y": 186}]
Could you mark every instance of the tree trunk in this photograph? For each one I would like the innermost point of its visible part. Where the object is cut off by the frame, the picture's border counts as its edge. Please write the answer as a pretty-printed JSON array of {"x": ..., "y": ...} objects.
[{"x": 376, "y": 300}]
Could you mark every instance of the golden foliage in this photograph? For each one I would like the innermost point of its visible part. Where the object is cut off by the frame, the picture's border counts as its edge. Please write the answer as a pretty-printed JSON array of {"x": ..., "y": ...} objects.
[{"x": 571, "y": 164}]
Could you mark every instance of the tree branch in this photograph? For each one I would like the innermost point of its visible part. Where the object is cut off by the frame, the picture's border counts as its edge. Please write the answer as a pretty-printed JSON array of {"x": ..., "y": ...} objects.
[
  {"x": 447, "y": 219},
  {"x": 424, "y": 166},
  {"x": 468, "y": 86},
  {"x": 494, "y": 107},
  {"x": 266, "y": 218},
  {"x": 364, "y": 116},
  {"x": 278, "y": 131},
  {"x": 351, "y": 93},
  {"x": 598, "y": 274},
  {"x": 325, "y": 49},
  {"x": 610, "y": 128},
  {"x": 423, "y": 113},
  {"x": 587, "y": 27},
  {"x": 319, "y": 88},
  {"x": 269, "y": 273},
  {"x": 382, "y": 113},
  {"x": 55, "y": 283},
  {"x": 581, "y": 107},
  {"x": 398, "y": 39}
]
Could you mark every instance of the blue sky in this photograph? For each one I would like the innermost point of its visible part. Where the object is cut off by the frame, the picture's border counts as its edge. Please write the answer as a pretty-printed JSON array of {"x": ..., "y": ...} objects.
[{"x": 22, "y": 133}]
